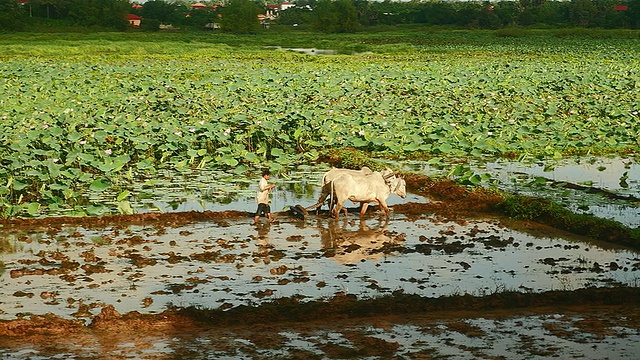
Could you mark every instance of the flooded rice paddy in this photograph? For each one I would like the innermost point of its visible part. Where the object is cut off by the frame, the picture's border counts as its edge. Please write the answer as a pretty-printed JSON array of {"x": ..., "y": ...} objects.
[{"x": 74, "y": 272}]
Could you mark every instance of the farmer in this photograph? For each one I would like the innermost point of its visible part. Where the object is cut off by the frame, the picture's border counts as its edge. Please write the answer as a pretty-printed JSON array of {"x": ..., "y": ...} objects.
[{"x": 262, "y": 197}]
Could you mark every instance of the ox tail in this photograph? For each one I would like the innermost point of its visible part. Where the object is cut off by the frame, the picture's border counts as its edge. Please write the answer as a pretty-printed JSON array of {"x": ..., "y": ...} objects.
[{"x": 331, "y": 199}]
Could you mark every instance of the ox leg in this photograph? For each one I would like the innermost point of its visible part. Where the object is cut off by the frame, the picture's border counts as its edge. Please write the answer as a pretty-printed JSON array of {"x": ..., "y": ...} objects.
[
  {"x": 363, "y": 208},
  {"x": 383, "y": 205},
  {"x": 339, "y": 206}
]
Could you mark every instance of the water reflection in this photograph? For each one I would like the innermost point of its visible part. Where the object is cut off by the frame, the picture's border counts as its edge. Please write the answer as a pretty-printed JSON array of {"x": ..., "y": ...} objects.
[
  {"x": 264, "y": 246},
  {"x": 346, "y": 245},
  {"x": 208, "y": 264},
  {"x": 307, "y": 51}
]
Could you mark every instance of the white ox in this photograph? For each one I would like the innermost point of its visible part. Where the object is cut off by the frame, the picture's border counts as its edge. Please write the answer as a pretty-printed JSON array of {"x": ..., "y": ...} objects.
[
  {"x": 367, "y": 188},
  {"x": 329, "y": 176}
]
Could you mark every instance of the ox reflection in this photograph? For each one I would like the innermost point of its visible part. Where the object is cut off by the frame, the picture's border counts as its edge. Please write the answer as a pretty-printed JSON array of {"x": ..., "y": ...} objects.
[{"x": 350, "y": 244}]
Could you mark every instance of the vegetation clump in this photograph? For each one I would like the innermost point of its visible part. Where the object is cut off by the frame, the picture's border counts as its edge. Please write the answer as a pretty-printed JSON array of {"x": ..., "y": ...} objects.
[
  {"x": 349, "y": 307},
  {"x": 547, "y": 212}
]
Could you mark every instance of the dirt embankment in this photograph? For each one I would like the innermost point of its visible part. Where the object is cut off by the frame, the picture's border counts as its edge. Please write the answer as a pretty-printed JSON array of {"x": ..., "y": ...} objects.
[{"x": 339, "y": 308}]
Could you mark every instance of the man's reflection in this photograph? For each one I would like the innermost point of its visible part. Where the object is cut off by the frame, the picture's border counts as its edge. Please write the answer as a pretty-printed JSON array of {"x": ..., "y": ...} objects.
[{"x": 264, "y": 246}]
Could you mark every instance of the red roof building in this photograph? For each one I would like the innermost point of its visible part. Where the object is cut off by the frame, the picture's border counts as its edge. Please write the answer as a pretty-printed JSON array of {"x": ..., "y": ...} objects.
[{"x": 134, "y": 20}]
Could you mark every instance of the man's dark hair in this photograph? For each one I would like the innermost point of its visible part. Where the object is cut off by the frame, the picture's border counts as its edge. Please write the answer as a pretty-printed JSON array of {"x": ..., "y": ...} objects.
[{"x": 266, "y": 172}]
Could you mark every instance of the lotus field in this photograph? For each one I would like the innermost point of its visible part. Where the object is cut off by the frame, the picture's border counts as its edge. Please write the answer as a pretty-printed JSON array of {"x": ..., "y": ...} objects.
[{"x": 81, "y": 122}]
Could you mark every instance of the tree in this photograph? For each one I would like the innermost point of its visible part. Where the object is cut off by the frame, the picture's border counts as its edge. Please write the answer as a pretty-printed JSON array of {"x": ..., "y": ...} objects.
[
  {"x": 633, "y": 14},
  {"x": 165, "y": 13},
  {"x": 325, "y": 18},
  {"x": 240, "y": 17},
  {"x": 102, "y": 13},
  {"x": 11, "y": 15},
  {"x": 51, "y": 9},
  {"x": 294, "y": 15},
  {"x": 335, "y": 16},
  {"x": 552, "y": 13},
  {"x": 582, "y": 12},
  {"x": 199, "y": 18},
  {"x": 347, "y": 16}
]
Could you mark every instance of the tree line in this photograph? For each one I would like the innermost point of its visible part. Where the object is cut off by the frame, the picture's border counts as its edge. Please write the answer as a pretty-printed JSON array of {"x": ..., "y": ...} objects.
[{"x": 241, "y": 16}]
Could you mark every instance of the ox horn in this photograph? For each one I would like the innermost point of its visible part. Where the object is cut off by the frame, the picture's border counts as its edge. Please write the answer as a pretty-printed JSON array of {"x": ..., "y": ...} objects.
[{"x": 390, "y": 175}]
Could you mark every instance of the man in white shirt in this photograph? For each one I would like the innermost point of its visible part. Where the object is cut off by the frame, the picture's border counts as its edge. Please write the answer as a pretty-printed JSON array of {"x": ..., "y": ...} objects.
[{"x": 262, "y": 197}]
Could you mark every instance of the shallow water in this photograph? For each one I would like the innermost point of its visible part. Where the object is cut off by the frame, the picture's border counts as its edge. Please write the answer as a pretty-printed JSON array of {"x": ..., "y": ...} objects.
[
  {"x": 540, "y": 336},
  {"x": 223, "y": 264},
  {"x": 614, "y": 176}
]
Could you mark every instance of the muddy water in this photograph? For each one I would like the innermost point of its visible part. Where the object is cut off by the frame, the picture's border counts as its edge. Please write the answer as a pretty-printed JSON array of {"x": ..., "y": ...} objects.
[
  {"x": 75, "y": 272},
  {"x": 606, "y": 187},
  {"x": 590, "y": 334}
]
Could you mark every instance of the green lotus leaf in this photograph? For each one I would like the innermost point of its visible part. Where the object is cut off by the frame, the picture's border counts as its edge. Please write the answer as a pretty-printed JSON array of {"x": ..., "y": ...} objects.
[
  {"x": 58, "y": 187},
  {"x": 445, "y": 148},
  {"x": 411, "y": 147},
  {"x": 192, "y": 153},
  {"x": 240, "y": 169},
  {"x": 251, "y": 157},
  {"x": 96, "y": 210},
  {"x": 33, "y": 208},
  {"x": 74, "y": 136},
  {"x": 359, "y": 143},
  {"x": 18, "y": 186},
  {"x": 99, "y": 185},
  {"x": 123, "y": 195},
  {"x": 146, "y": 164},
  {"x": 87, "y": 158},
  {"x": 107, "y": 167},
  {"x": 277, "y": 152},
  {"x": 125, "y": 208}
]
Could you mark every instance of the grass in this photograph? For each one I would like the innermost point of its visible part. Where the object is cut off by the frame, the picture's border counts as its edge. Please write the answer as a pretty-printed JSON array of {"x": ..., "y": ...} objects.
[{"x": 398, "y": 40}]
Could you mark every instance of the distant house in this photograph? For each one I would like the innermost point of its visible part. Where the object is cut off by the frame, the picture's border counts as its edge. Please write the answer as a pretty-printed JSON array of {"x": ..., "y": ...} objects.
[
  {"x": 286, "y": 5},
  {"x": 272, "y": 11},
  {"x": 134, "y": 20}
]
